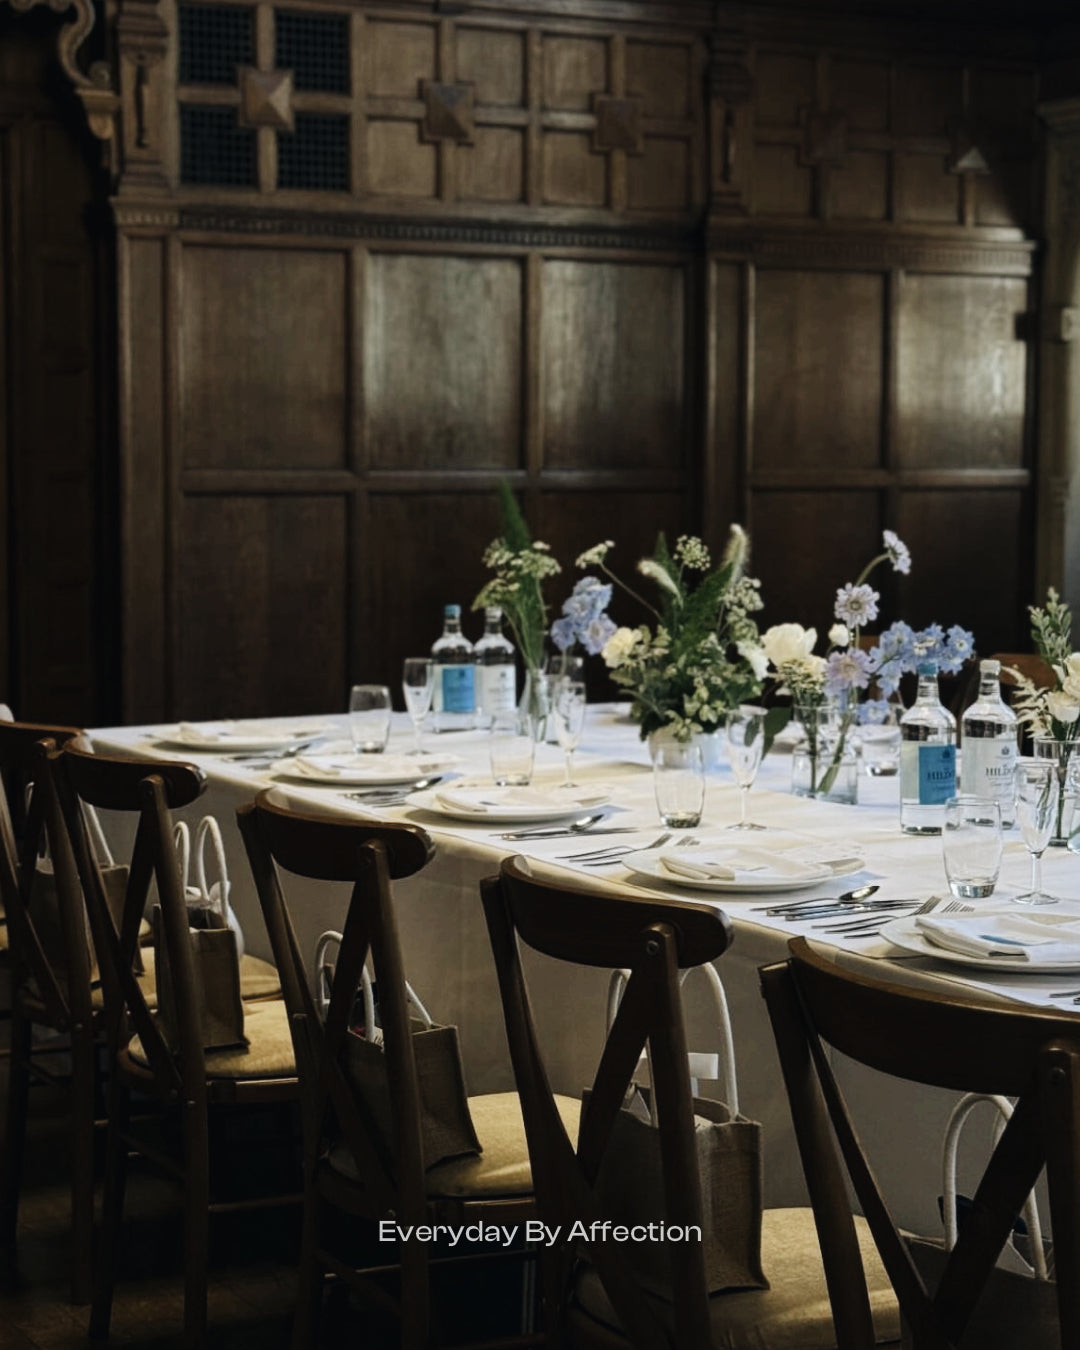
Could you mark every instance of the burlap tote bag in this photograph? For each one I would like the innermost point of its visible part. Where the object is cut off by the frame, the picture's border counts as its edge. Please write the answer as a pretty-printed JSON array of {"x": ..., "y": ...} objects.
[
  {"x": 216, "y": 965},
  {"x": 630, "y": 1184},
  {"x": 44, "y": 904},
  {"x": 445, "y": 1121},
  {"x": 1018, "y": 1306}
]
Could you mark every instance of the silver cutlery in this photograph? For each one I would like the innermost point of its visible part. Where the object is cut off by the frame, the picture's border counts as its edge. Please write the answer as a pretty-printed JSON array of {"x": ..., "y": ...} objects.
[
  {"x": 839, "y": 911},
  {"x": 603, "y": 857},
  {"x": 871, "y": 927},
  {"x": 269, "y": 756},
  {"x": 398, "y": 792},
  {"x": 854, "y": 897},
  {"x": 578, "y": 826}
]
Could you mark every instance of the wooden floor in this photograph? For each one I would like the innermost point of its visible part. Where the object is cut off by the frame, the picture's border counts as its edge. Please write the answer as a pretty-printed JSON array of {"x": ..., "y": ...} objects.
[{"x": 252, "y": 1268}]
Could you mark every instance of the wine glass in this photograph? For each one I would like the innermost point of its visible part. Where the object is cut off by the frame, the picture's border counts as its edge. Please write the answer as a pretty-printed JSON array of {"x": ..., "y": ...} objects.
[
  {"x": 568, "y": 710},
  {"x": 745, "y": 743},
  {"x": 418, "y": 685},
  {"x": 1037, "y": 789}
]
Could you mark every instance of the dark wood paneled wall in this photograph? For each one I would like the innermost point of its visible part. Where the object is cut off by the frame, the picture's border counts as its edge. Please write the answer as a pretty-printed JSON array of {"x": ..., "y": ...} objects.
[{"x": 659, "y": 270}]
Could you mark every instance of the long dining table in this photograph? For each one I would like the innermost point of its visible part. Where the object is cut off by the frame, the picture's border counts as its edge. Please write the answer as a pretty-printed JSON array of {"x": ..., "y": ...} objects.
[{"x": 449, "y": 963}]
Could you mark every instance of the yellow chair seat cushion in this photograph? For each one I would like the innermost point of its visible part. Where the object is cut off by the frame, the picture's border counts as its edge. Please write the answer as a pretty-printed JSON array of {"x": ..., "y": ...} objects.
[
  {"x": 259, "y": 980},
  {"x": 501, "y": 1168},
  {"x": 269, "y": 1054},
  {"x": 794, "y": 1313},
  {"x": 3, "y": 935}
]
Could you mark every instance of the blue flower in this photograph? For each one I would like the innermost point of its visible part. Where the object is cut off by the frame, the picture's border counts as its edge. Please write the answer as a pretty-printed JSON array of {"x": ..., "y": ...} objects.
[
  {"x": 856, "y": 605},
  {"x": 583, "y": 618},
  {"x": 928, "y": 646},
  {"x": 874, "y": 711},
  {"x": 849, "y": 669},
  {"x": 564, "y": 633},
  {"x": 959, "y": 646}
]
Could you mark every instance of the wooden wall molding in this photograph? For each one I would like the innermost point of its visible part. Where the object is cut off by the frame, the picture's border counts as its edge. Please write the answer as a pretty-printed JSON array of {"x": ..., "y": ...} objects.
[
  {"x": 406, "y": 230},
  {"x": 876, "y": 252}
]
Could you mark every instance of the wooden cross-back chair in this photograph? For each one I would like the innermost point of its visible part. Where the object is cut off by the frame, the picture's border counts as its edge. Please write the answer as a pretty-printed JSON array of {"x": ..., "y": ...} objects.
[
  {"x": 594, "y": 1300},
  {"x": 187, "y": 1082},
  {"x": 348, "y": 1166},
  {"x": 50, "y": 969},
  {"x": 945, "y": 1041}
]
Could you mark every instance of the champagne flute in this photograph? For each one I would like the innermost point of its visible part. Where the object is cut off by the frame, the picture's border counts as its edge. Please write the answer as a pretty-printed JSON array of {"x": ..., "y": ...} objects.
[
  {"x": 745, "y": 742},
  {"x": 1037, "y": 790},
  {"x": 568, "y": 708},
  {"x": 418, "y": 685}
]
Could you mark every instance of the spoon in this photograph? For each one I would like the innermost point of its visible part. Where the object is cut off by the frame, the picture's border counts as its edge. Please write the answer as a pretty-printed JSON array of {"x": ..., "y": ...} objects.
[
  {"x": 855, "y": 897},
  {"x": 578, "y": 826},
  {"x": 399, "y": 790}
]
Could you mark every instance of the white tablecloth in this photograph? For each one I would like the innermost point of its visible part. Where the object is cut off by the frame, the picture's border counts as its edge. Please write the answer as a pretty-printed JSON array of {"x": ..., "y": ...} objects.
[{"x": 449, "y": 962}]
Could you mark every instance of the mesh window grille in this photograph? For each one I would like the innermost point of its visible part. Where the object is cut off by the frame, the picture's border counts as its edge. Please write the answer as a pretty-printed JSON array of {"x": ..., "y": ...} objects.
[
  {"x": 315, "y": 47},
  {"x": 316, "y": 154},
  {"x": 214, "y": 40},
  {"x": 213, "y": 149}
]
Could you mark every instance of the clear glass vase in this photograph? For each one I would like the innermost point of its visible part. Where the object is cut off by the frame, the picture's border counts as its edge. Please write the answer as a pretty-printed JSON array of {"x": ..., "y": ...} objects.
[
  {"x": 1066, "y": 757},
  {"x": 535, "y": 704},
  {"x": 825, "y": 763}
]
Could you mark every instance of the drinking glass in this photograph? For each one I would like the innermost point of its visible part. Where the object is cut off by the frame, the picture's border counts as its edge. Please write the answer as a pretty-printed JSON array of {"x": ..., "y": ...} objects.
[
  {"x": 512, "y": 748},
  {"x": 369, "y": 718},
  {"x": 418, "y": 685},
  {"x": 1037, "y": 790},
  {"x": 568, "y": 710},
  {"x": 971, "y": 846},
  {"x": 679, "y": 782},
  {"x": 880, "y": 743},
  {"x": 745, "y": 742}
]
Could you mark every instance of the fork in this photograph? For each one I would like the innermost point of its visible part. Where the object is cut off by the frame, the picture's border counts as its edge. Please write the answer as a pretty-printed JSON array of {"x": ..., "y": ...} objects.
[
  {"x": 871, "y": 926},
  {"x": 605, "y": 857}
]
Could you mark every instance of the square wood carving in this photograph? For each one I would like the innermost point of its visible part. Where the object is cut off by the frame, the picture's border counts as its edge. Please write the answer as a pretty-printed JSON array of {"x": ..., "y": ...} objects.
[
  {"x": 265, "y": 98},
  {"x": 448, "y": 112},
  {"x": 618, "y": 124}
]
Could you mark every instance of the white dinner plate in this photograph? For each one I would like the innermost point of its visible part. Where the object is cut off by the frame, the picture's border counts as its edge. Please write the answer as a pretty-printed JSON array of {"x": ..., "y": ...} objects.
[
  {"x": 904, "y": 933},
  {"x": 228, "y": 736},
  {"x": 350, "y": 770},
  {"x": 827, "y": 860},
  {"x": 508, "y": 805}
]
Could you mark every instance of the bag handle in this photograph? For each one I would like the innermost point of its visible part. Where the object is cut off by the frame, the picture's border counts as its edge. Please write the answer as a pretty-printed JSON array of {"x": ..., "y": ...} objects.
[
  {"x": 324, "y": 978},
  {"x": 961, "y": 1111},
  {"x": 699, "y": 1064},
  {"x": 182, "y": 840},
  {"x": 98, "y": 842},
  {"x": 208, "y": 828}
]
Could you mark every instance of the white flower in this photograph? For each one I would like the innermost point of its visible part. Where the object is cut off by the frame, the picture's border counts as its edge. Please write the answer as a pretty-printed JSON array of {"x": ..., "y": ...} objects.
[
  {"x": 1069, "y": 669},
  {"x": 898, "y": 551},
  {"x": 1062, "y": 708},
  {"x": 1070, "y": 686},
  {"x": 786, "y": 642},
  {"x": 593, "y": 557},
  {"x": 738, "y": 547},
  {"x": 649, "y": 567},
  {"x": 839, "y": 635},
  {"x": 856, "y": 605},
  {"x": 619, "y": 646},
  {"x": 757, "y": 658},
  {"x": 692, "y": 553}
]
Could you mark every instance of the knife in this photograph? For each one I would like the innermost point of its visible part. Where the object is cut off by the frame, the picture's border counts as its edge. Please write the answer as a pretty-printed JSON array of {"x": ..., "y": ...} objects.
[{"x": 562, "y": 833}]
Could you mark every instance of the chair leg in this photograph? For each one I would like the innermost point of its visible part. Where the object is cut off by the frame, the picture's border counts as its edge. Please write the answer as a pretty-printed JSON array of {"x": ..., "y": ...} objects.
[
  {"x": 11, "y": 1160},
  {"x": 83, "y": 1054},
  {"x": 112, "y": 1209},
  {"x": 310, "y": 1279},
  {"x": 415, "y": 1297},
  {"x": 196, "y": 1224}
]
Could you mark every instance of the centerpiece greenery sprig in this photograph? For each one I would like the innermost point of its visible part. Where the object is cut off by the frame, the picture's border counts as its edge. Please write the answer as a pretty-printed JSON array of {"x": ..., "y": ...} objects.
[
  {"x": 703, "y": 657},
  {"x": 520, "y": 565}
]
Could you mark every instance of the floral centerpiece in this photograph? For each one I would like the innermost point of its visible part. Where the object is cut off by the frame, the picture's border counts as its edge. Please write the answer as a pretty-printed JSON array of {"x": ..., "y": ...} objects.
[
  {"x": 702, "y": 657},
  {"x": 826, "y": 691},
  {"x": 1053, "y": 714},
  {"x": 520, "y": 566},
  {"x": 584, "y": 620}
]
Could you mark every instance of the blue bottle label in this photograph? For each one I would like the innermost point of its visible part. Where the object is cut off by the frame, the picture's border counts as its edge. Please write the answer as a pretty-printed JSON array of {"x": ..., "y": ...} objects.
[
  {"x": 457, "y": 688},
  {"x": 937, "y": 774}
]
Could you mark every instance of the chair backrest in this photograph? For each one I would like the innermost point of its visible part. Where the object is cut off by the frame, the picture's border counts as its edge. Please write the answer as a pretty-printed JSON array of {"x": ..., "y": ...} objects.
[
  {"x": 57, "y": 957},
  {"x": 943, "y": 1041},
  {"x": 151, "y": 789},
  {"x": 653, "y": 939},
  {"x": 329, "y": 848}
]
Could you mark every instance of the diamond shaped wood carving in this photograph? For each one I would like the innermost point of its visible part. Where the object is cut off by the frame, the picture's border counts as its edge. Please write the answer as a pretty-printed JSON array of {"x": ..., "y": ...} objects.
[
  {"x": 618, "y": 124},
  {"x": 448, "y": 112},
  {"x": 265, "y": 98},
  {"x": 966, "y": 155}
]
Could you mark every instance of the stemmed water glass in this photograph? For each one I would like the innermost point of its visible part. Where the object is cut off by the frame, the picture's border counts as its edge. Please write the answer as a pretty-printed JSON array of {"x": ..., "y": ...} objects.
[
  {"x": 418, "y": 685},
  {"x": 745, "y": 742},
  {"x": 568, "y": 710},
  {"x": 1037, "y": 791}
]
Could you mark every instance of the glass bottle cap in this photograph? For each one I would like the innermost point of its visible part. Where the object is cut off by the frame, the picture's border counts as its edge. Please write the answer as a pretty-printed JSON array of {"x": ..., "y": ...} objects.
[
  {"x": 451, "y": 611},
  {"x": 990, "y": 667},
  {"x": 926, "y": 668}
]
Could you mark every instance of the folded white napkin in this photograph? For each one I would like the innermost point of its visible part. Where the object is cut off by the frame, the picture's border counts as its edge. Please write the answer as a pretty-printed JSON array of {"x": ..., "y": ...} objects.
[
  {"x": 731, "y": 864},
  {"x": 213, "y": 733},
  {"x": 480, "y": 800},
  {"x": 1020, "y": 937},
  {"x": 363, "y": 768}
]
